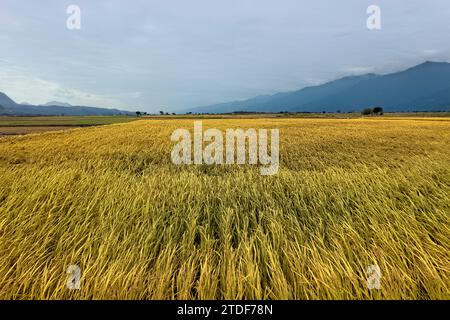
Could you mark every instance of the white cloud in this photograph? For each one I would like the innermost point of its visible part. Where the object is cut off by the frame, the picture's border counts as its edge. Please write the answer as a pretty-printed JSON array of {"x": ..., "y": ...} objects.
[
  {"x": 358, "y": 69},
  {"x": 431, "y": 52},
  {"x": 20, "y": 86}
]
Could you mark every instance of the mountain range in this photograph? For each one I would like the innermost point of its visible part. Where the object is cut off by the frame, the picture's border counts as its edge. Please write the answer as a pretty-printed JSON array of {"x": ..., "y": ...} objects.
[
  {"x": 9, "y": 107},
  {"x": 56, "y": 103},
  {"x": 425, "y": 87}
]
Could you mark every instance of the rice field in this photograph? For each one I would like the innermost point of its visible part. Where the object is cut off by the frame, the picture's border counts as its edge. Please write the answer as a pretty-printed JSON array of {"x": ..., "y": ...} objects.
[
  {"x": 61, "y": 121},
  {"x": 19, "y": 125},
  {"x": 349, "y": 193}
]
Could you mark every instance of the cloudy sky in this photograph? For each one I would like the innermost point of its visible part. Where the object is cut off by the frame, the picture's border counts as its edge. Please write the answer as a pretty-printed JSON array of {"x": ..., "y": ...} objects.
[{"x": 176, "y": 54}]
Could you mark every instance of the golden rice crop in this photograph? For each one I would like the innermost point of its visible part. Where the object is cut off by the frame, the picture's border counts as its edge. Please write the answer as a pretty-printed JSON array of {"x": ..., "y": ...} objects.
[{"x": 349, "y": 193}]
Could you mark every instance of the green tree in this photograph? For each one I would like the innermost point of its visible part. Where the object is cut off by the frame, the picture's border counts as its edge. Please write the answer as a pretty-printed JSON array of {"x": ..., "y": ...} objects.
[
  {"x": 366, "y": 111},
  {"x": 378, "y": 110}
]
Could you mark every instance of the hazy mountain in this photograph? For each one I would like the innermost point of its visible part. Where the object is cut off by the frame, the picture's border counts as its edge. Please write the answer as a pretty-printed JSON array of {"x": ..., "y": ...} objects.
[
  {"x": 6, "y": 101},
  {"x": 56, "y": 103},
  {"x": 424, "y": 87},
  {"x": 9, "y": 107}
]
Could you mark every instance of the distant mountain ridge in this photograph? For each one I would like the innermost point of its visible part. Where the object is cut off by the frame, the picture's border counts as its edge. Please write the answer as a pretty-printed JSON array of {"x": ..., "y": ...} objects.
[
  {"x": 56, "y": 103},
  {"x": 425, "y": 87},
  {"x": 53, "y": 108}
]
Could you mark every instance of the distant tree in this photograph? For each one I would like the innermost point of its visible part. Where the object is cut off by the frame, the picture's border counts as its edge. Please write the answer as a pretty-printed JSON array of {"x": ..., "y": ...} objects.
[
  {"x": 378, "y": 110},
  {"x": 161, "y": 112},
  {"x": 167, "y": 113},
  {"x": 339, "y": 111},
  {"x": 138, "y": 113},
  {"x": 366, "y": 111},
  {"x": 189, "y": 112},
  {"x": 173, "y": 113}
]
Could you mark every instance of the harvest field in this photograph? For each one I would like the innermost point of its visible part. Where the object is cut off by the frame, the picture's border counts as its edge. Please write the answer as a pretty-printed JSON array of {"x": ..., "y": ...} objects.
[
  {"x": 26, "y": 125},
  {"x": 349, "y": 193},
  {"x": 62, "y": 120}
]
